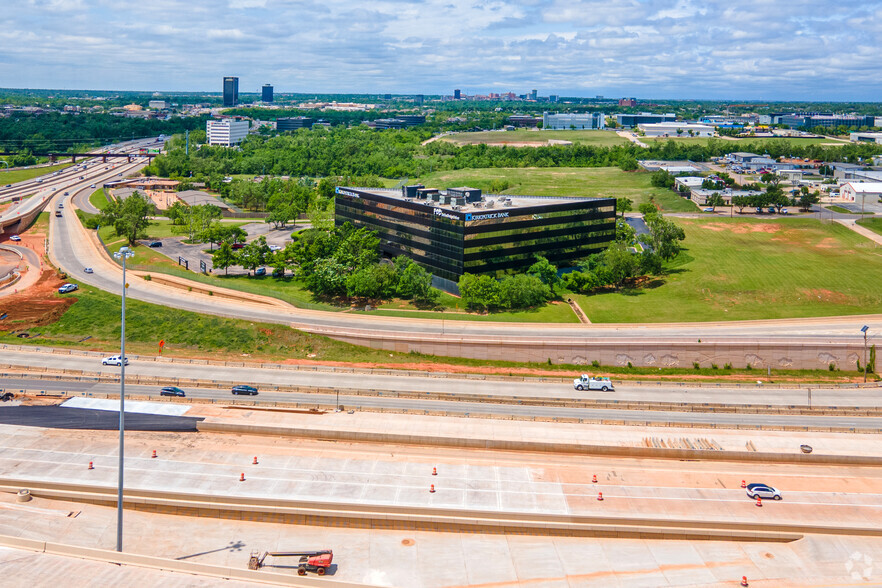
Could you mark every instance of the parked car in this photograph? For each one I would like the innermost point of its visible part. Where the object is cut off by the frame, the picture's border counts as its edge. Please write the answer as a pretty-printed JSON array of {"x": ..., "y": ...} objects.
[
  {"x": 783, "y": 211},
  {"x": 114, "y": 360},
  {"x": 237, "y": 245},
  {"x": 172, "y": 391},
  {"x": 155, "y": 244},
  {"x": 275, "y": 248},
  {"x": 759, "y": 210},
  {"x": 763, "y": 491},
  {"x": 245, "y": 389},
  {"x": 708, "y": 209},
  {"x": 772, "y": 209},
  {"x": 261, "y": 271},
  {"x": 87, "y": 270},
  {"x": 67, "y": 288},
  {"x": 15, "y": 238}
]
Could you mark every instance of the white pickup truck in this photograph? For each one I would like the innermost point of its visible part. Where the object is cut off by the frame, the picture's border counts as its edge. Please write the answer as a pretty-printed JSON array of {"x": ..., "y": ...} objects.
[{"x": 589, "y": 383}]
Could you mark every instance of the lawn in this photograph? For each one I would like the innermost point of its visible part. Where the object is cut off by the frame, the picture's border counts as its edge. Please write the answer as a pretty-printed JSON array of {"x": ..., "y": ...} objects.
[
  {"x": 597, "y": 138},
  {"x": 741, "y": 269},
  {"x": 556, "y": 312},
  {"x": 739, "y": 142},
  {"x": 874, "y": 224},
  {"x": 843, "y": 210},
  {"x": 20, "y": 175},
  {"x": 592, "y": 182},
  {"x": 98, "y": 199}
]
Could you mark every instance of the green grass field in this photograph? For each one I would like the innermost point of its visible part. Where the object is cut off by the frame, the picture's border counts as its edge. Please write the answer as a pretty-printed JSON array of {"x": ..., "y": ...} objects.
[
  {"x": 98, "y": 199},
  {"x": 874, "y": 224},
  {"x": 741, "y": 269},
  {"x": 843, "y": 210},
  {"x": 597, "y": 138},
  {"x": 20, "y": 175},
  {"x": 592, "y": 182}
]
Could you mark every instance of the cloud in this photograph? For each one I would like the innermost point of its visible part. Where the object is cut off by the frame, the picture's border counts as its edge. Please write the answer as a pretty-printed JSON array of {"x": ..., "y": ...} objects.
[{"x": 759, "y": 49}]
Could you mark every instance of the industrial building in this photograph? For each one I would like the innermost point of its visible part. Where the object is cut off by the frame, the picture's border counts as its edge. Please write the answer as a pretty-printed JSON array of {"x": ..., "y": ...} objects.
[
  {"x": 226, "y": 131},
  {"x": 231, "y": 91},
  {"x": 293, "y": 123},
  {"x": 563, "y": 122},
  {"x": 815, "y": 119},
  {"x": 865, "y": 137},
  {"x": 460, "y": 230},
  {"x": 523, "y": 121},
  {"x": 266, "y": 93},
  {"x": 675, "y": 129},
  {"x": 632, "y": 120},
  {"x": 862, "y": 193}
]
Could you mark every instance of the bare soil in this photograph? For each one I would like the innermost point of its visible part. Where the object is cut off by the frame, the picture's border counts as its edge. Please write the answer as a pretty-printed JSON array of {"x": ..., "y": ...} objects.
[{"x": 36, "y": 306}]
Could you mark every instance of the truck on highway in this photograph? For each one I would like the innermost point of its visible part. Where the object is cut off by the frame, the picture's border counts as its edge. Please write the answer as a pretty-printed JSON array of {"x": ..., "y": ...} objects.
[
  {"x": 586, "y": 382},
  {"x": 57, "y": 212}
]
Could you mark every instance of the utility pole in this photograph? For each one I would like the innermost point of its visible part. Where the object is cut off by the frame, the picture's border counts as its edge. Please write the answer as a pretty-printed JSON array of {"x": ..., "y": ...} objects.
[
  {"x": 864, "y": 330},
  {"x": 187, "y": 148}
]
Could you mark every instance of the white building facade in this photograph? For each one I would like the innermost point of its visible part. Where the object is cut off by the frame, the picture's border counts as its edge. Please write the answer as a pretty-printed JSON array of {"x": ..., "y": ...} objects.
[
  {"x": 566, "y": 122},
  {"x": 668, "y": 129},
  {"x": 226, "y": 131},
  {"x": 861, "y": 192}
]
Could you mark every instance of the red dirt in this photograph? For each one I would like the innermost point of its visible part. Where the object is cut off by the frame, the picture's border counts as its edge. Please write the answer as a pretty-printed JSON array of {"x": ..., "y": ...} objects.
[{"x": 36, "y": 306}]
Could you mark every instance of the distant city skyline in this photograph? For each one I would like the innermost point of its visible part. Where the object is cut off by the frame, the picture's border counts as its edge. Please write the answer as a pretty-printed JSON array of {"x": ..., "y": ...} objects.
[{"x": 803, "y": 50}]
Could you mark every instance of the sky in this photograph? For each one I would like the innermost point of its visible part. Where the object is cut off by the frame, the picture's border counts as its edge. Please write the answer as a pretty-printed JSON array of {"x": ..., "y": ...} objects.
[{"x": 710, "y": 49}]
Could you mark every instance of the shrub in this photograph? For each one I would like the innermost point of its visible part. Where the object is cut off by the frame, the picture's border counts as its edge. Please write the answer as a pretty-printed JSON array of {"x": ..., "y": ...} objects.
[
  {"x": 727, "y": 366},
  {"x": 595, "y": 364},
  {"x": 832, "y": 367},
  {"x": 714, "y": 366},
  {"x": 695, "y": 365}
]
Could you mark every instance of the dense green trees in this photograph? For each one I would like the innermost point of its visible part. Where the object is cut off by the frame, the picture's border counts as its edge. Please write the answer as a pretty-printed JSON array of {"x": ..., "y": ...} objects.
[{"x": 129, "y": 217}]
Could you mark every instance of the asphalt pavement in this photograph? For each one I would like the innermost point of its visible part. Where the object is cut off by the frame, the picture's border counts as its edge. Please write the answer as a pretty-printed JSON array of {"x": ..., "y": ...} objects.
[{"x": 59, "y": 417}]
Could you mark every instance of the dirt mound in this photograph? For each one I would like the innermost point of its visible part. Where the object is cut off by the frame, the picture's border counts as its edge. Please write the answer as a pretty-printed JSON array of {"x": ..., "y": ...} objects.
[{"x": 36, "y": 306}]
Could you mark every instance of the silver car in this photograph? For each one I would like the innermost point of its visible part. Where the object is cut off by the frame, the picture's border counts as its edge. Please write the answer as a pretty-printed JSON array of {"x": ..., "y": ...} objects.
[{"x": 763, "y": 491}]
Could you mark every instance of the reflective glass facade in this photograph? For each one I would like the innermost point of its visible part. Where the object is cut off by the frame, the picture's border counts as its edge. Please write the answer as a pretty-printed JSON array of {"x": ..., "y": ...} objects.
[{"x": 450, "y": 243}]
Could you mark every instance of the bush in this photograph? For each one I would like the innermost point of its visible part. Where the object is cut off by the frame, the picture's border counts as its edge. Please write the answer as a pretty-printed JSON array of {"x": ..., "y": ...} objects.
[
  {"x": 832, "y": 367},
  {"x": 522, "y": 291},
  {"x": 727, "y": 366},
  {"x": 695, "y": 365},
  {"x": 595, "y": 364}
]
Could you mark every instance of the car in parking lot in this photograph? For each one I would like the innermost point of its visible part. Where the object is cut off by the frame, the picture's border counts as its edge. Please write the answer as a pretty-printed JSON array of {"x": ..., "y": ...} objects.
[
  {"x": 67, "y": 288},
  {"x": 155, "y": 244},
  {"x": 275, "y": 247},
  {"x": 245, "y": 389},
  {"x": 763, "y": 491},
  {"x": 708, "y": 209},
  {"x": 783, "y": 211},
  {"x": 237, "y": 245},
  {"x": 172, "y": 391},
  {"x": 114, "y": 360},
  {"x": 87, "y": 270},
  {"x": 261, "y": 271},
  {"x": 15, "y": 238}
]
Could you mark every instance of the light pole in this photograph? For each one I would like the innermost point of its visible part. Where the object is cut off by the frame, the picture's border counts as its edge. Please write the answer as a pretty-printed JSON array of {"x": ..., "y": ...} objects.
[
  {"x": 864, "y": 330},
  {"x": 123, "y": 254}
]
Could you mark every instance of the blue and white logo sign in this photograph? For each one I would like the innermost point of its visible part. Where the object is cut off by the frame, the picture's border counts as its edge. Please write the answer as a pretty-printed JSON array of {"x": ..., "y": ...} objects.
[{"x": 474, "y": 217}]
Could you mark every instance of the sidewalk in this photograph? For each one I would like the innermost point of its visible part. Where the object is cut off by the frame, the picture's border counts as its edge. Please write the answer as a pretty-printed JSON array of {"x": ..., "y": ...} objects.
[{"x": 852, "y": 224}]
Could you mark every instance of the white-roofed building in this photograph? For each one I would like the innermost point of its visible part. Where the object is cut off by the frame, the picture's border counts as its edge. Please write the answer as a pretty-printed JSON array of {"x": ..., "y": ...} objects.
[
  {"x": 861, "y": 192},
  {"x": 675, "y": 129}
]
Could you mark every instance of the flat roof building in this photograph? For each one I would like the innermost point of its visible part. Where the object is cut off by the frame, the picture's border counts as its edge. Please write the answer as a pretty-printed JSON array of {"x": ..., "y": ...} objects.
[
  {"x": 293, "y": 123},
  {"x": 675, "y": 129},
  {"x": 226, "y": 131},
  {"x": 460, "y": 230},
  {"x": 266, "y": 93},
  {"x": 563, "y": 122},
  {"x": 231, "y": 91},
  {"x": 865, "y": 137},
  {"x": 632, "y": 120}
]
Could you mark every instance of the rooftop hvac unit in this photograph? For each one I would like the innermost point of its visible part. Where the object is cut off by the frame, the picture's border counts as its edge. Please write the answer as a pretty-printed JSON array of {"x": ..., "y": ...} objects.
[
  {"x": 489, "y": 204},
  {"x": 507, "y": 203},
  {"x": 456, "y": 207}
]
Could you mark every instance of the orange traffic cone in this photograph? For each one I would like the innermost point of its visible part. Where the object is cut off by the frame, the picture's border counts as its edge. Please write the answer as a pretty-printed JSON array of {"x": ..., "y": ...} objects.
[
  {"x": 594, "y": 479},
  {"x": 255, "y": 461},
  {"x": 432, "y": 489},
  {"x": 743, "y": 484},
  {"x": 154, "y": 453},
  {"x": 744, "y": 581},
  {"x": 600, "y": 496},
  {"x": 759, "y": 501},
  {"x": 434, "y": 471},
  {"x": 242, "y": 477},
  {"x": 91, "y": 467}
]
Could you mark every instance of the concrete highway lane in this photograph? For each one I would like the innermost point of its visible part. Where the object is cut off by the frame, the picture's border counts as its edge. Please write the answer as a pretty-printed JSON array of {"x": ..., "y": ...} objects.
[{"x": 462, "y": 408}]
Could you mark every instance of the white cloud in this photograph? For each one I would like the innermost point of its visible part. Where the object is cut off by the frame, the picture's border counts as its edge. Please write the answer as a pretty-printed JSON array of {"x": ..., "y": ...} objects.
[{"x": 765, "y": 49}]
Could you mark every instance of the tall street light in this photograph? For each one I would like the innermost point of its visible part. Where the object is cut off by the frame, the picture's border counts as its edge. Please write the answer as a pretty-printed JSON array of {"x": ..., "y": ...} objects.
[
  {"x": 864, "y": 330},
  {"x": 123, "y": 254}
]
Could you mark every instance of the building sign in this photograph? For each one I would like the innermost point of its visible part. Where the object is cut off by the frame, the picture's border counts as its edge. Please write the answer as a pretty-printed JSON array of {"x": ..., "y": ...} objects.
[
  {"x": 439, "y": 212},
  {"x": 340, "y": 190},
  {"x": 475, "y": 217}
]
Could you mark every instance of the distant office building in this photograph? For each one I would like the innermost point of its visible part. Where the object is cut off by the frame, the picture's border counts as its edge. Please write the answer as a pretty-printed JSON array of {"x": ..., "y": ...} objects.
[
  {"x": 632, "y": 120},
  {"x": 266, "y": 93},
  {"x": 231, "y": 91},
  {"x": 534, "y": 94},
  {"x": 552, "y": 98},
  {"x": 524, "y": 121},
  {"x": 226, "y": 131},
  {"x": 564, "y": 122},
  {"x": 293, "y": 123},
  {"x": 865, "y": 137},
  {"x": 675, "y": 129},
  {"x": 157, "y": 104},
  {"x": 418, "y": 99},
  {"x": 387, "y": 96},
  {"x": 456, "y": 95},
  {"x": 631, "y": 102},
  {"x": 399, "y": 122},
  {"x": 810, "y": 120}
]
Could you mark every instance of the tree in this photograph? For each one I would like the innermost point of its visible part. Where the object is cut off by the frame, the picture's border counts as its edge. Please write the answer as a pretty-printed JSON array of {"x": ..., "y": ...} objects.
[
  {"x": 740, "y": 202},
  {"x": 664, "y": 236},
  {"x": 715, "y": 200},
  {"x": 806, "y": 200},
  {"x": 224, "y": 257},
  {"x": 661, "y": 178},
  {"x": 414, "y": 281},
  {"x": 523, "y": 291},
  {"x": 321, "y": 214},
  {"x": 647, "y": 208},
  {"x": 479, "y": 292},
  {"x": 545, "y": 271},
  {"x": 621, "y": 263},
  {"x": 770, "y": 178},
  {"x": 624, "y": 205},
  {"x": 175, "y": 212},
  {"x": 253, "y": 255},
  {"x": 129, "y": 217},
  {"x": 650, "y": 263},
  {"x": 625, "y": 233},
  {"x": 328, "y": 279},
  {"x": 375, "y": 281}
]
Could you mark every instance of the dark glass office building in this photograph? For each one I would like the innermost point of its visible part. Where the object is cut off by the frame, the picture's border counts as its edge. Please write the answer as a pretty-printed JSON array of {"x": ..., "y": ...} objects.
[
  {"x": 231, "y": 91},
  {"x": 266, "y": 93},
  {"x": 461, "y": 231}
]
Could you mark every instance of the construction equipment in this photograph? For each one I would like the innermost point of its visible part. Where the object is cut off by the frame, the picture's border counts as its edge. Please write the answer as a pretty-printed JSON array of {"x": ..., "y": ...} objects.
[{"x": 310, "y": 561}]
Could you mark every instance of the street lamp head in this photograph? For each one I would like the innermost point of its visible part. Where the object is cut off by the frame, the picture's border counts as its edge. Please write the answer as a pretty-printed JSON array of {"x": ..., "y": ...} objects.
[
  {"x": 864, "y": 329},
  {"x": 124, "y": 253}
]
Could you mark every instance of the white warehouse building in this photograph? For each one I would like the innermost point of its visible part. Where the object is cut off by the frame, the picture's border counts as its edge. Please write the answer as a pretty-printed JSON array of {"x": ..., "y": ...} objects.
[
  {"x": 674, "y": 129},
  {"x": 226, "y": 131},
  {"x": 566, "y": 122},
  {"x": 861, "y": 192}
]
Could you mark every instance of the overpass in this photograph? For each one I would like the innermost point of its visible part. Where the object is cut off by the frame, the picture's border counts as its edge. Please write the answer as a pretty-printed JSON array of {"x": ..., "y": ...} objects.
[{"x": 73, "y": 156}]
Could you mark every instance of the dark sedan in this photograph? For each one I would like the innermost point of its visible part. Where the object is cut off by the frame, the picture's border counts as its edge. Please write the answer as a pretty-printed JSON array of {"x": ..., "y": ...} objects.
[
  {"x": 172, "y": 391},
  {"x": 245, "y": 389}
]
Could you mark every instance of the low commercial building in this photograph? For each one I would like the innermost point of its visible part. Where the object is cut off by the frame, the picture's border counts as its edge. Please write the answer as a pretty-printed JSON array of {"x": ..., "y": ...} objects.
[
  {"x": 689, "y": 182},
  {"x": 672, "y": 167},
  {"x": 565, "y": 122},
  {"x": 226, "y": 131},
  {"x": 865, "y": 137},
  {"x": 667, "y": 129},
  {"x": 861, "y": 192},
  {"x": 293, "y": 123},
  {"x": 460, "y": 230},
  {"x": 401, "y": 121},
  {"x": 632, "y": 120},
  {"x": 158, "y": 104},
  {"x": 524, "y": 121}
]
